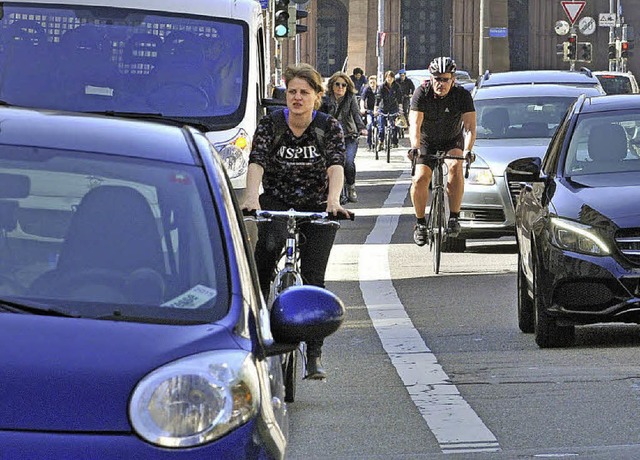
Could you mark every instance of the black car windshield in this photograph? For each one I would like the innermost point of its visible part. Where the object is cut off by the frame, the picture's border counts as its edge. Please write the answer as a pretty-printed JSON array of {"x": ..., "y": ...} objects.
[
  {"x": 520, "y": 117},
  {"x": 99, "y": 59},
  {"x": 604, "y": 143},
  {"x": 104, "y": 236}
]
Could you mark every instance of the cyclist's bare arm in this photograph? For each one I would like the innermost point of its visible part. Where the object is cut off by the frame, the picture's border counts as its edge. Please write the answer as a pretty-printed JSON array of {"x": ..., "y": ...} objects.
[
  {"x": 251, "y": 199},
  {"x": 415, "y": 123},
  {"x": 336, "y": 182},
  {"x": 469, "y": 129}
]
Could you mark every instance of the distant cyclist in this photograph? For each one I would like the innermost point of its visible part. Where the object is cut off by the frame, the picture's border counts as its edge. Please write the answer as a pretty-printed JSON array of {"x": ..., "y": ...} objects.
[
  {"x": 408, "y": 88},
  {"x": 388, "y": 100},
  {"x": 442, "y": 117}
]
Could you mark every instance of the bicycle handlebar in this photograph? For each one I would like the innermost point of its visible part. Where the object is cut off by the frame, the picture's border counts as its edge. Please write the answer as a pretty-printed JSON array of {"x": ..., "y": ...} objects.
[{"x": 267, "y": 215}]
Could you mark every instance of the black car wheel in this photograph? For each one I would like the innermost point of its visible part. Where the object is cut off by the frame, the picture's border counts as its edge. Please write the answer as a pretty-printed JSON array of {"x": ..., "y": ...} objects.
[
  {"x": 548, "y": 333},
  {"x": 525, "y": 303}
]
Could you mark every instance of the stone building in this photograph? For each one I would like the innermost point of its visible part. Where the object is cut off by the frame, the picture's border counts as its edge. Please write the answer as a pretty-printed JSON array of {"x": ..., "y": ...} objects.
[{"x": 519, "y": 34}]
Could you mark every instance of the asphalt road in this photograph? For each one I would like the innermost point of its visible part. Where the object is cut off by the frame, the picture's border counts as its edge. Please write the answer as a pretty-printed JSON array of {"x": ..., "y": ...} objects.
[{"x": 434, "y": 366}]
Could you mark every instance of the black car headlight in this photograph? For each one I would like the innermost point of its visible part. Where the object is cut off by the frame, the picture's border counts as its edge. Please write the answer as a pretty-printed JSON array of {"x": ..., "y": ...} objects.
[
  {"x": 196, "y": 399},
  {"x": 573, "y": 236}
]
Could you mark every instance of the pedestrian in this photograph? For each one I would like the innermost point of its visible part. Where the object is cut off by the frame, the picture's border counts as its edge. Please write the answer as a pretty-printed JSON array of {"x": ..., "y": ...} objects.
[
  {"x": 388, "y": 101},
  {"x": 297, "y": 156},
  {"x": 340, "y": 102}
]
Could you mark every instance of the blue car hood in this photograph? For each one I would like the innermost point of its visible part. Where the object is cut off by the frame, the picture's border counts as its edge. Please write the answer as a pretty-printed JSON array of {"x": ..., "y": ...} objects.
[
  {"x": 498, "y": 153},
  {"x": 76, "y": 375},
  {"x": 612, "y": 195}
]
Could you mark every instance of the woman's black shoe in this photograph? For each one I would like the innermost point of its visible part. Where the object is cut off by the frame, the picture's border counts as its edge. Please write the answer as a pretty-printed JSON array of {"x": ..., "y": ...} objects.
[{"x": 315, "y": 371}]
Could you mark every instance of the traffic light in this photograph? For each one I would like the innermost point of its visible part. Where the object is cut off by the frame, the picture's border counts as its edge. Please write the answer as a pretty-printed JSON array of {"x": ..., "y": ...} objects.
[
  {"x": 585, "y": 51},
  {"x": 572, "y": 47},
  {"x": 624, "y": 50},
  {"x": 295, "y": 15},
  {"x": 281, "y": 19},
  {"x": 612, "y": 51}
]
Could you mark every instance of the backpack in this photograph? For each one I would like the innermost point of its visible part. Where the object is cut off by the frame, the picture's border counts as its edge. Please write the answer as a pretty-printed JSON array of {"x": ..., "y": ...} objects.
[{"x": 280, "y": 127}]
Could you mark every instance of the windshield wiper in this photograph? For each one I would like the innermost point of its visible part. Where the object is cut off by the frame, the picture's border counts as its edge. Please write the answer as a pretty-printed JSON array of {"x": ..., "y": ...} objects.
[
  {"x": 154, "y": 117},
  {"x": 10, "y": 306}
]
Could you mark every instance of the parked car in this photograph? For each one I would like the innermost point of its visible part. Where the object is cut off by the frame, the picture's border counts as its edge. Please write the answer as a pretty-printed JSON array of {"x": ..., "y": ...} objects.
[
  {"x": 617, "y": 82},
  {"x": 418, "y": 76},
  {"x": 132, "y": 320},
  {"x": 512, "y": 121},
  {"x": 584, "y": 78},
  {"x": 578, "y": 222}
]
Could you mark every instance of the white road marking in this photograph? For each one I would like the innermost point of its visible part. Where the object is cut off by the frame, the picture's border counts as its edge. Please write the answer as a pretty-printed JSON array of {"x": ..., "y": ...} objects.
[{"x": 453, "y": 422}]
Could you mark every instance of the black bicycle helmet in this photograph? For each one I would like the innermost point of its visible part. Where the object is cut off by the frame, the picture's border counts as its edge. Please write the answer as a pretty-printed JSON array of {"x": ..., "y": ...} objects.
[{"x": 442, "y": 65}]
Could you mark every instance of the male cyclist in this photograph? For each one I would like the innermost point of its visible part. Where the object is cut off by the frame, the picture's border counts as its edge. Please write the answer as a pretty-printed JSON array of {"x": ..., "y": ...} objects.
[{"x": 442, "y": 117}]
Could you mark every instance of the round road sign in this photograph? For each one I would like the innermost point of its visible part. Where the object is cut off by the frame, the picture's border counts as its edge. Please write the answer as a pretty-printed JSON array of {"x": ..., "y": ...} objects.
[
  {"x": 562, "y": 27},
  {"x": 587, "y": 25}
]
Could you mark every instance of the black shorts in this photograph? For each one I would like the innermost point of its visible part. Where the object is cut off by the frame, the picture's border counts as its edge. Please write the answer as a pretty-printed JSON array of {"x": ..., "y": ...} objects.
[{"x": 427, "y": 152}]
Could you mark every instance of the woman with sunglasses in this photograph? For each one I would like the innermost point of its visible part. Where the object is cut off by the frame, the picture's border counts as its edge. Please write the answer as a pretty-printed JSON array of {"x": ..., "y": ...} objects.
[
  {"x": 442, "y": 117},
  {"x": 340, "y": 102}
]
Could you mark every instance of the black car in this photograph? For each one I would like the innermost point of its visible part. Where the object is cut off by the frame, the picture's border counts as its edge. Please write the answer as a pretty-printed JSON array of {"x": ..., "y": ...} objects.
[{"x": 578, "y": 222}]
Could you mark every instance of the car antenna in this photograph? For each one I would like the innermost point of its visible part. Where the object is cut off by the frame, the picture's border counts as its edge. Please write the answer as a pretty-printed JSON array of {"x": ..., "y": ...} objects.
[{"x": 587, "y": 71}]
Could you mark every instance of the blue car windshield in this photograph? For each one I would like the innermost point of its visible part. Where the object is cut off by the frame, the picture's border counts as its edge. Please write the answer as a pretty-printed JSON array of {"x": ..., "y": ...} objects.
[
  {"x": 520, "y": 117},
  {"x": 604, "y": 143},
  {"x": 106, "y": 236},
  {"x": 98, "y": 59}
]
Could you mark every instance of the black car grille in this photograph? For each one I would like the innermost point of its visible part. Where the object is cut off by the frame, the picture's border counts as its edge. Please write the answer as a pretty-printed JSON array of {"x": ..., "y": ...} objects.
[
  {"x": 628, "y": 243},
  {"x": 488, "y": 215},
  {"x": 514, "y": 191}
]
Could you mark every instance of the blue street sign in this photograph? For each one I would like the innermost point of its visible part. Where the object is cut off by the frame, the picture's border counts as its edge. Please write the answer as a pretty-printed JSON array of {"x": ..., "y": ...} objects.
[
  {"x": 498, "y": 32},
  {"x": 264, "y": 4}
]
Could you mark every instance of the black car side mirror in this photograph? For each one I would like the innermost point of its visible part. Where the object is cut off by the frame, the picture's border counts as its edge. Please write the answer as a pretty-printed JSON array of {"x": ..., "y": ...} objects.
[{"x": 525, "y": 170}]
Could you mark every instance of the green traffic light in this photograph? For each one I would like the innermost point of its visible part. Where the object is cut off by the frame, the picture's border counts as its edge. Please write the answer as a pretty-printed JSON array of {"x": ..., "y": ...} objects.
[{"x": 280, "y": 31}]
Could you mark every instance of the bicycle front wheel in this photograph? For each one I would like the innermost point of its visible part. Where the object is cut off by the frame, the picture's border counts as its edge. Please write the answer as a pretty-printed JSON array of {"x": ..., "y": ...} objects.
[
  {"x": 387, "y": 143},
  {"x": 437, "y": 219},
  {"x": 290, "y": 371}
]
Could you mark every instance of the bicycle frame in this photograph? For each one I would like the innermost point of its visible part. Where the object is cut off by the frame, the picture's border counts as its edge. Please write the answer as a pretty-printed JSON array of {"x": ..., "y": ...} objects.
[
  {"x": 437, "y": 220},
  {"x": 389, "y": 121},
  {"x": 289, "y": 275}
]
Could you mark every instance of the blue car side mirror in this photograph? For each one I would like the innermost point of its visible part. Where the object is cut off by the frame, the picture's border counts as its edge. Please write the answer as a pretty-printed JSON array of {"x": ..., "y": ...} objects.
[{"x": 302, "y": 313}]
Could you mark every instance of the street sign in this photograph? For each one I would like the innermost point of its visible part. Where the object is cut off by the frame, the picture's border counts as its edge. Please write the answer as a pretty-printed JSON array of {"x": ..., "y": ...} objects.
[
  {"x": 587, "y": 25},
  {"x": 607, "y": 20},
  {"x": 498, "y": 32},
  {"x": 573, "y": 9},
  {"x": 562, "y": 27}
]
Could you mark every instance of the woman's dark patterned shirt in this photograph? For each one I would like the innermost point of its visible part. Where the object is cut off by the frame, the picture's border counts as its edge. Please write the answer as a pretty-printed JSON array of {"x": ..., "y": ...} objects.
[{"x": 295, "y": 171}]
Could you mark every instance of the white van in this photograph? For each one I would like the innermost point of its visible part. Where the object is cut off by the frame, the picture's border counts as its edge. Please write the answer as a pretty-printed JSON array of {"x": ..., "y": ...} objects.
[{"x": 202, "y": 62}]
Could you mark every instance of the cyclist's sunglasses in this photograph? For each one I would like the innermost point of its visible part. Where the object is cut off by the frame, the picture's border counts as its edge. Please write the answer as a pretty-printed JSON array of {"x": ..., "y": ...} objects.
[
  {"x": 443, "y": 79},
  {"x": 341, "y": 85}
]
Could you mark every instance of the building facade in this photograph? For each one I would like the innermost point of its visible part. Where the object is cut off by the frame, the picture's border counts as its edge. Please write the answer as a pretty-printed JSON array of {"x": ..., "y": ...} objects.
[{"x": 519, "y": 34}]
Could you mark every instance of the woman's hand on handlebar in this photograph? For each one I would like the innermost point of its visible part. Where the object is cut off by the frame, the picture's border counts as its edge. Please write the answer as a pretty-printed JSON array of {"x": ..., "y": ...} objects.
[
  {"x": 334, "y": 208},
  {"x": 250, "y": 205},
  {"x": 413, "y": 153}
]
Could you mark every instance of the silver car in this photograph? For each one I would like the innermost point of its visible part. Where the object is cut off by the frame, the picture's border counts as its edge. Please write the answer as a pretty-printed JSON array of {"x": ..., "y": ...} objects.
[{"x": 512, "y": 122}]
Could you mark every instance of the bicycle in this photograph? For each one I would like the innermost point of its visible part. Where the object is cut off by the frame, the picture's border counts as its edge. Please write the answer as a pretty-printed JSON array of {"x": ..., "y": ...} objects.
[
  {"x": 390, "y": 125},
  {"x": 437, "y": 220},
  {"x": 373, "y": 136},
  {"x": 289, "y": 275}
]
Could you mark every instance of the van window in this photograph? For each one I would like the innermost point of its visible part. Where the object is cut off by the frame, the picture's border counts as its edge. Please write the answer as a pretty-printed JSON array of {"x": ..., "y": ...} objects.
[{"x": 83, "y": 58}]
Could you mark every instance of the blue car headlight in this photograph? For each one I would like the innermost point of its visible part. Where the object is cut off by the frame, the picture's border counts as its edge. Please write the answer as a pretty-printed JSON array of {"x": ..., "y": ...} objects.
[
  {"x": 574, "y": 236},
  {"x": 234, "y": 153},
  {"x": 479, "y": 173},
  {"x": 196, "y": 399}
]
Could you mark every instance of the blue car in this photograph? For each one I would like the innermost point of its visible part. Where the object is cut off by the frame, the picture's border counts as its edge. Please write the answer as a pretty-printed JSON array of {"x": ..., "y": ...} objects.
[{"x": 131, "y": 320}]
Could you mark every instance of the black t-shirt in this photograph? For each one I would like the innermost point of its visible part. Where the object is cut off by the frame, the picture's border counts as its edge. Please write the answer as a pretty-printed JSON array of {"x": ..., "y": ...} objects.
[{"x": 442, "y": 120}]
